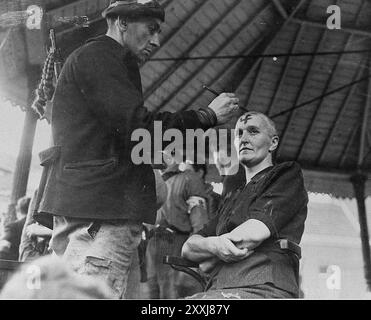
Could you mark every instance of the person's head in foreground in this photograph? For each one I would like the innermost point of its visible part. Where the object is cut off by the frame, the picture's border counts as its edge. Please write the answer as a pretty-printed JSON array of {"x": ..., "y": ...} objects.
[
  {"x": 255, "y": 140},
  {"x": 51, "y": 278},
  {"x": 136, "y": 24}
]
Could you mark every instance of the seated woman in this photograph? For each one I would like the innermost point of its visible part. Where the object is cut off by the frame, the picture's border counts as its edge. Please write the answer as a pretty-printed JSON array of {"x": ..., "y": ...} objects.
[{"x": 239, "y": 247}]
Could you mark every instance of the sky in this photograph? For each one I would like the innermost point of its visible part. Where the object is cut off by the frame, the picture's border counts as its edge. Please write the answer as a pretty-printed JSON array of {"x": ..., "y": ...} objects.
[{"x": 11, "y": 126}]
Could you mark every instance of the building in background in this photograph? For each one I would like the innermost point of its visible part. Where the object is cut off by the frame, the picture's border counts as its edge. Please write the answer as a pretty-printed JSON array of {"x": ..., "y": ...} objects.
[{"x": 332, "y": 263}]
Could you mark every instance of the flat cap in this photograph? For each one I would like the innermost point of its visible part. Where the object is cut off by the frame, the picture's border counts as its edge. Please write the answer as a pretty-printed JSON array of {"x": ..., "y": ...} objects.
[{"x": 135, "y": 9}]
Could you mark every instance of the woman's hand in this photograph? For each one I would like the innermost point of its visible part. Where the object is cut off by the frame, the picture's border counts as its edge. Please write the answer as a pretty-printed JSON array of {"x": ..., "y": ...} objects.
[{"x": 227, "y": 251}]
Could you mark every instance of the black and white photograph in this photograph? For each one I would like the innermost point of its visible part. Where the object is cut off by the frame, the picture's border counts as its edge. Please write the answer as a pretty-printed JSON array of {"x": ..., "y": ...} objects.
[{"x": 194, "y": 151}]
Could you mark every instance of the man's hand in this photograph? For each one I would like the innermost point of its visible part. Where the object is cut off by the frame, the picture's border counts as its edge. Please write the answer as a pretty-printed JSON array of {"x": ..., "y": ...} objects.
[
  {"x": 237, "y": 240},
  {"x": 224, "y": 106},
  {"x": 227, "y": 251}
]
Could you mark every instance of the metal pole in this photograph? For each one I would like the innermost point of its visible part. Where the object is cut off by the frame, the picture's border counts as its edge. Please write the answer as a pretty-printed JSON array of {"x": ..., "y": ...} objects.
[{"x": 359, "y": 181}]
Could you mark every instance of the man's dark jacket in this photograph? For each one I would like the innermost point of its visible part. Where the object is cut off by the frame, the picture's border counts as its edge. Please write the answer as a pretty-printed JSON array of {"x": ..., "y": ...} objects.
[{"x": 98, "y": 103}]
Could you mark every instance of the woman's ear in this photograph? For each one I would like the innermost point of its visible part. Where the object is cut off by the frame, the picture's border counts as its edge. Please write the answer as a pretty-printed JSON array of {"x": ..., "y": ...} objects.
[{"x": 274, "y": 143}]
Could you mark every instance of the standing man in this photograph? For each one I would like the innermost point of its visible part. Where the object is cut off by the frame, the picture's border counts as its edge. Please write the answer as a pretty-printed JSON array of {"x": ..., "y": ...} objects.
[
  {"x": 97, "y": 196},
  {"x": 183, "y": 213},
  {"x": 240, "y": 247}
]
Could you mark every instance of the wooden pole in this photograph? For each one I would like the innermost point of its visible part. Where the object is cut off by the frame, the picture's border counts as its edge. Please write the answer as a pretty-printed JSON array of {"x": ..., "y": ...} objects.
[
  {"x": 22, "y": 169},
  {"x": 359, "y": 181}
]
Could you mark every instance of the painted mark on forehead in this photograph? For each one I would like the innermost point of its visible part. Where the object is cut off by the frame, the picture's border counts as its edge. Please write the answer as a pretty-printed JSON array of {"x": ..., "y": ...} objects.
[{"x": 245, "y": 118}]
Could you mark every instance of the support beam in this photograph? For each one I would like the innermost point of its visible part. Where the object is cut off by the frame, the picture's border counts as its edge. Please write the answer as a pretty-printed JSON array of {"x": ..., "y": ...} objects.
[
  {"x": 219, "y": 75},
  {"x": 173, "y": 32},
  {"x": 245, "y": 67},
  {"x": 280, "y": 9},
  {"x": 369, "y": 143},
  {"x": 365, "y": 123},
  {"x": 322, "y": 25},
  {"x": 359, "y": 184},
  {"x": 284, "y": 71},
  {"x": 253, "y": 89},
  {"x": 299, "y": 94},
  {"x": 328, "y": 82},
  {"x": 359, "y": 181},
  {"x": 159, "y": 82},
  {"x": 286, "y": 21},
  {"x": 349, "y": 42},
  {"x": 227, "y": 42},
  {"x": 22, "y": 168},
  {"x": 350, "y": 143}
]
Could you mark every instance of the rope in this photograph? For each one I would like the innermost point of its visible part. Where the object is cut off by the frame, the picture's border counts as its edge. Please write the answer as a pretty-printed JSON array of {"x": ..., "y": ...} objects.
[
  {"x": 319, "y": 97},
  {"x": 277, "y": 55}
]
